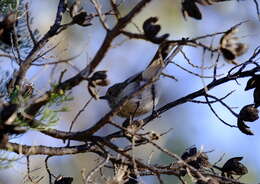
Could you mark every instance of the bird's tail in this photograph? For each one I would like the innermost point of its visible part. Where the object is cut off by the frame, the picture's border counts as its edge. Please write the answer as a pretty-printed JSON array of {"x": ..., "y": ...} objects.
[{"x": 163, "y": 56}]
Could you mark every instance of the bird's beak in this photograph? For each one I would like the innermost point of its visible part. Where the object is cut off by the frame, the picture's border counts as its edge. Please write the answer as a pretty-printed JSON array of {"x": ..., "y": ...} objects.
[
  {"x": 103, "y": 97},
  {"x": 247, "y": 88}
]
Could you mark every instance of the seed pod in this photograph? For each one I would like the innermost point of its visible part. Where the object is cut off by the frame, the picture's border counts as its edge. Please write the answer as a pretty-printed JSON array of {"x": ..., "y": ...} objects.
[
  {"x": 82, "y": 19},
  {"x": 151, "y": 30},
  {"x": 230, "y": 47},
  {"x": 229, "y": 55},
  {"x": 189, "y": 8},
  {"x": 79, "y": 16},
  {"x": 195, "y": 159},
  {"x": 100, "y": 78},
  {"x": 243, "y": 127},
  {"x": 75, "y": 9},
  {"x": 27, "y": 90},
  {"x": 253, "y": 82},
  {"x": 257, "y": 96},
  {"x": 249, "y": 113},
  {"x": 189, "y": 153},
  {"x": 234, "y": 167},
  {"x": 154, "y": 136}
]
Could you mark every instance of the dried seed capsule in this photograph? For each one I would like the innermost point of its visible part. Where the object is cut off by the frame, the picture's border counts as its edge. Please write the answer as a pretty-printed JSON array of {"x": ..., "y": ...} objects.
[
  {"x": 243, "y": 127},
  {"x": 257, "y": 96},
  {"x": 189, "y": 7},
  {"x": 151, "y": 30},
  {"x": 249, "y": 113},
  {"x": 253, "y": 82},
  {"x": 230, "y": 47},
  {"x": 234, "y": 167}
]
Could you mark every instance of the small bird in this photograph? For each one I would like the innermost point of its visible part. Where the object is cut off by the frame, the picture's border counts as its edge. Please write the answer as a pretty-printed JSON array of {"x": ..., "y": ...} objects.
[{"x": 146, "y": 100}]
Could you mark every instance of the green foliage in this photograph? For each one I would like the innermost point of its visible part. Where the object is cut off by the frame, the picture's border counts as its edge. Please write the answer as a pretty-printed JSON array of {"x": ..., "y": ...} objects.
[
  {"x": 49, "y": 114},
  {"x": 19, "y": 96},
  {"x": 6, "y": 5},
  {"x": 59, "y": 98},
  {"x": 14, "y": 96}
]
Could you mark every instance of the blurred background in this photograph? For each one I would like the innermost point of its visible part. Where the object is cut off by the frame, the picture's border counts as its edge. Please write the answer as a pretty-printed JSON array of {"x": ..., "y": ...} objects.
[{"x": 192, "y": 124}]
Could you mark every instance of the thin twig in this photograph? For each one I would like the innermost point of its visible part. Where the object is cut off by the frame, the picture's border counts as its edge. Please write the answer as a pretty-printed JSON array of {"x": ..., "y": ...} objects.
[
  {"x": 48, "y": 169},
  {"x": 56, "y": 62},
  {"x": 101, "y": 16},
  {"x": 45, "y": 53},
  {"x": 193, "y": 65},
  {"x": 28, "y": 24},
  {"x": 257, "y": 9},
  {"x": 169, "y": 76},
  {"x": 215, "y": 68},
  {"x": 115, "y": 8},
  {"x": 213, "y": 101},
  {"x": 26, "y": 64},
  {"x": 193, "y": 73},
  {"x": 93, "y": 171},
  {"x": 78, "y": 114},
  {"x": 224, "y": 104},
  {"x": 214, "y": 112},
  {"x": 28, "y": 169},
  {"x": 62, "y": 75}
]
